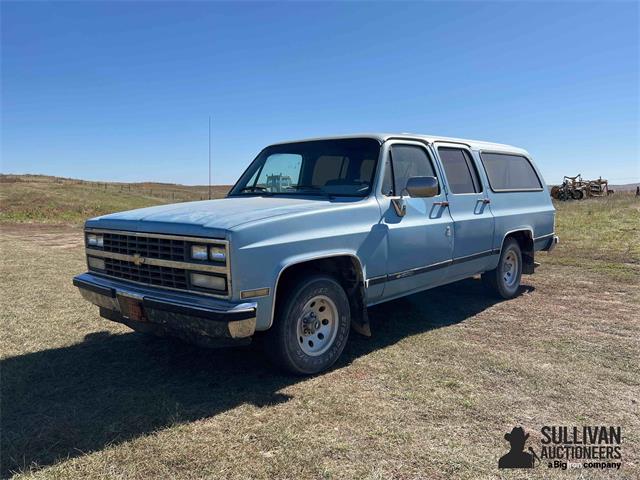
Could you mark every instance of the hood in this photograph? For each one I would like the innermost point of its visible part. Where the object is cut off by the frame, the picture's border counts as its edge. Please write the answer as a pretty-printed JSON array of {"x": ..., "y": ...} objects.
[{"x": 209, "y": 217}]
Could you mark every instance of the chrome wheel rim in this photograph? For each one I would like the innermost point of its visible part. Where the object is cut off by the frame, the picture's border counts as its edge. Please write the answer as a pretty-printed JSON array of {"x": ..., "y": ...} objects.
[
  {"x": 510, "y": 269},
  {"x": 318, "y": 325}
]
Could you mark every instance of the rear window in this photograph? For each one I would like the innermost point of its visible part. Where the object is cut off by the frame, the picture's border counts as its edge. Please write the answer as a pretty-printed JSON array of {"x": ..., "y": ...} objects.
[{"x": 510, "y": 172}]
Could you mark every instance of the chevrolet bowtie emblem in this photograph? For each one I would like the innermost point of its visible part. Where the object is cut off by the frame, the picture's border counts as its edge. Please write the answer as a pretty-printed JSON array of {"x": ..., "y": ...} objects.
[{"x": 137, "y": 259}]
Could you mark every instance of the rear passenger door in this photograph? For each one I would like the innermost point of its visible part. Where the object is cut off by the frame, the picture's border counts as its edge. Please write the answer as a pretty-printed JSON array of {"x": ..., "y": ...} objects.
[{"x": 470, "y": 209}]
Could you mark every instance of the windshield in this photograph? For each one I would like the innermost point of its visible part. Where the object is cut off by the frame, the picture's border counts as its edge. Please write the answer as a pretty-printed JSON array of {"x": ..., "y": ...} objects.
[{"x": 344, "y": 167}]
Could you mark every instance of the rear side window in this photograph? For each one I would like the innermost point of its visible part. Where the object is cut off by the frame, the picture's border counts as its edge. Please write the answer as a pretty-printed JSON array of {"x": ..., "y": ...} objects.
[
  {"x": 510, "y": 172},
  {"x": 406, "y": 161},
  {"x": 460, "y": 170}
]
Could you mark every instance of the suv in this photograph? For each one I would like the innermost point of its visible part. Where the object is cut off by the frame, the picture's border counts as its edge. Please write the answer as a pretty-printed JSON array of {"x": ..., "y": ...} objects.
[{"x": 360, "y": 220}]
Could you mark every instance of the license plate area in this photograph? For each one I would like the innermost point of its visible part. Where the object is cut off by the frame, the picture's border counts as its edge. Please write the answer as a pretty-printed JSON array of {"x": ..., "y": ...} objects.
[{"x": 131, "y": 308}]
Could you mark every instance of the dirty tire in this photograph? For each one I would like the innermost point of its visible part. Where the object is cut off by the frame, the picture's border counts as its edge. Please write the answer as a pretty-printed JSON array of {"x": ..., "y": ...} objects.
[
  {"x": 290, "y": 350},
  {"x": 577, "y": 194},
  {"x": 504, "y": 281}
]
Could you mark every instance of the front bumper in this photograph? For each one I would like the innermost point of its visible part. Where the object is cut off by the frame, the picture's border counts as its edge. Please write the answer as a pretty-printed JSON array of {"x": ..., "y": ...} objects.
[{"x": 192, "y": 317}]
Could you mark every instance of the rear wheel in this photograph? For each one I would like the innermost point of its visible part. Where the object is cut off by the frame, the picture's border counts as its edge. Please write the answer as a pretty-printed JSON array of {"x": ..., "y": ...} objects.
[
  {"x": 311, "y": 328},
  {"x": 504, "y": 281}
]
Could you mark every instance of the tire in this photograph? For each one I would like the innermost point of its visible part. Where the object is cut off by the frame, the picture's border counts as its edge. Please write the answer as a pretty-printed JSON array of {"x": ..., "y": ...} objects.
[
  {"x": 311, "y": 328},
  {"x": 504, "y": 281},
  {"x": 577, "y": 194}
]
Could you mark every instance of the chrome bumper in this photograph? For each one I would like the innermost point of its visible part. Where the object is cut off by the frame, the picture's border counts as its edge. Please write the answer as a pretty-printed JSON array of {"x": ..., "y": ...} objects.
[
  {"x": 552, "y": 244},
  {"x": 189, "y": 316}
]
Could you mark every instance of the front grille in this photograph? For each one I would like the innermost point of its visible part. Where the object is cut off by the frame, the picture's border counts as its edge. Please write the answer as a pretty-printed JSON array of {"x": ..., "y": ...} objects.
[
  {"x": 155, "y": 259},
  {"x": 150, "y": 274},
  {"x": 148, "y": 247}
]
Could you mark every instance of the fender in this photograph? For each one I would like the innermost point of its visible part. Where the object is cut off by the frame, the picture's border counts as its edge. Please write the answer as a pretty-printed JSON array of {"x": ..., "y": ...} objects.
[
  {"x": 528, "y": 260},
  {"x": 359, "y": 316}
]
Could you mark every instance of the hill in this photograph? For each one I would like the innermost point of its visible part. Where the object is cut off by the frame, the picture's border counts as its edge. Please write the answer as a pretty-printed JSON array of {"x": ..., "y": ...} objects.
[{"x": 46, "y": 199}]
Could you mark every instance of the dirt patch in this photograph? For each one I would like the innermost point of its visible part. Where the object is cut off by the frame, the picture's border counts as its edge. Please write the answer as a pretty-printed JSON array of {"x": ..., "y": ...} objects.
[{"x": 54, "y": 236}]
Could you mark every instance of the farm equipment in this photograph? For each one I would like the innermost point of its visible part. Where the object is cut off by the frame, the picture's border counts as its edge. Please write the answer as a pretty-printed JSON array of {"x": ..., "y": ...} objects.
[{"x": 575, "y": 188}]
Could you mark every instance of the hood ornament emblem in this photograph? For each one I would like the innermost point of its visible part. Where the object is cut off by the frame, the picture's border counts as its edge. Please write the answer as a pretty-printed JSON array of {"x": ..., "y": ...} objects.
[{"x": 137, "y": 259}]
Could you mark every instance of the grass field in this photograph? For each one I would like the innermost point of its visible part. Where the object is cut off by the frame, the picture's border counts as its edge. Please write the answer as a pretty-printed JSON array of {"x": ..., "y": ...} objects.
[{"x": 430, "y": 395}]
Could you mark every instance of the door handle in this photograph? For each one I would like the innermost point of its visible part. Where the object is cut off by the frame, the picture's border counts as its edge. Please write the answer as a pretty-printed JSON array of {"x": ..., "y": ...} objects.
[
  {"x": 485, "y": 201},
  {"x": 442, "y": 204}
]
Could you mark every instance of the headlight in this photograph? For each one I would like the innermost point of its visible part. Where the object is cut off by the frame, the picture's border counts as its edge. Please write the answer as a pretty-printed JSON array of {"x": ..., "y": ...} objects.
[
  {"x": 95, "y": 240},
  {"x": 95, "y": 262},
  {"x": 209, "y": 282},
  {"x": 199, "y": 252},
  {"x": 217, "y": 254}
]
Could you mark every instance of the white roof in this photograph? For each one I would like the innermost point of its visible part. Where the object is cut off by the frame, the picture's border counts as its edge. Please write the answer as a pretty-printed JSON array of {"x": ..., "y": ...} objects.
[{"x": 382, "y": 137}]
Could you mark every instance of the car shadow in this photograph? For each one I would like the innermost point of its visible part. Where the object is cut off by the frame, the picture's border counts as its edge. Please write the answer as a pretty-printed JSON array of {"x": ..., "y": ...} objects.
[{"x": 65, "y": 402}]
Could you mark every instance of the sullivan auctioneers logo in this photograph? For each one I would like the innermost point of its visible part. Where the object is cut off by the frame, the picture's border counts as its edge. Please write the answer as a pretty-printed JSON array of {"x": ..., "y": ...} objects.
[{"x": 566, "y": 447}]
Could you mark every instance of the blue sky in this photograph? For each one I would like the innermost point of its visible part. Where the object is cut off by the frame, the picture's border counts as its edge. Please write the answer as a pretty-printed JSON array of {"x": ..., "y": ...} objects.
[{"x": 123, "y": 91}]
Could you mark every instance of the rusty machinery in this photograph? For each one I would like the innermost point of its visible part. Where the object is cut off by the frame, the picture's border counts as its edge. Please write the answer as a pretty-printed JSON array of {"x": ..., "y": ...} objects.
[{"x": 576, "y": 188}]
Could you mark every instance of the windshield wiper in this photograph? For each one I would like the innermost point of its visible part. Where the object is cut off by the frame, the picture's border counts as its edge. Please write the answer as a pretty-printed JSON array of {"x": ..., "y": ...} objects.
[
  {"x": 254, "y": 189},
  {"x": 304, "y": 187}
]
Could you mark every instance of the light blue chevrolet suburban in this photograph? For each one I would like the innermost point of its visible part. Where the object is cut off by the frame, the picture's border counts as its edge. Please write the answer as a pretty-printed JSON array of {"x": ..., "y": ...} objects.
[{"x": 313, "y": 233}]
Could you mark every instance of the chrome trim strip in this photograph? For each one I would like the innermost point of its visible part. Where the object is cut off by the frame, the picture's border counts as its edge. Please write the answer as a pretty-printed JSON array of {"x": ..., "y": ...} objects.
[
  {"x": 544, "y": 236},
  {"x": 375, "y": 280},
  {"x": 160, "y": 287},
  {"x": 317, "y": 257},
  {"x": 156, "y": 261},
  {"x": 474, "y": 256},
  {"x": 159, "y": 235},
  {"x": 428, "y": 268},
  {"x": 417, "y": 271},
  {"x": 522, "y": 229}
]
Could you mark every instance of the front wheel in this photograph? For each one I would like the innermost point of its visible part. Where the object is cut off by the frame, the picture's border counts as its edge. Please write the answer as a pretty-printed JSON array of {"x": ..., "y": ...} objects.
[
  {"x": 505, "y": 279},
  {"x": 311, "y": 327}
]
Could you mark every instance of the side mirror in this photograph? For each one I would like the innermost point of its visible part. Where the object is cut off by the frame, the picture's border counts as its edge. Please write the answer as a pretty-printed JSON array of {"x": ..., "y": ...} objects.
[{"x": 422, "y": 187}]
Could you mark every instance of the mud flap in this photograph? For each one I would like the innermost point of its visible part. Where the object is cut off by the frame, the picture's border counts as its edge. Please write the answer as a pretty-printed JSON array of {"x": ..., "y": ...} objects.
[
  {"x": 528, "y": 263},
  {"x": 359, "y": 315}
]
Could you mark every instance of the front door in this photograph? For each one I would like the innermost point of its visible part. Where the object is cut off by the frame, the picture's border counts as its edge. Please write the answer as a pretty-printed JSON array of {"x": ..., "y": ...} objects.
[
  {"x": 420, "y": 241},
  {"x": 470, "y": 209}
]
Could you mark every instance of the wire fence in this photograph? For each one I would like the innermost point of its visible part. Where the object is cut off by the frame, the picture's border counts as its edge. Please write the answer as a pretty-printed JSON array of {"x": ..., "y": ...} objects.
[{"x": 169, "y": 192}]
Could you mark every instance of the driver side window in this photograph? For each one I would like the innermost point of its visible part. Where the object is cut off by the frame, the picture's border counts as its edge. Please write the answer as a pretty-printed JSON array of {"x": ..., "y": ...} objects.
[{"x": 404, "y": 162}]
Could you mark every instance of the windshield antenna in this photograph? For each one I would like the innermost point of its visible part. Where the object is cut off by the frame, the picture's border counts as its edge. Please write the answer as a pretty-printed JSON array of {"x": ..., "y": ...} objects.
[{"x": 209, "y": 157}]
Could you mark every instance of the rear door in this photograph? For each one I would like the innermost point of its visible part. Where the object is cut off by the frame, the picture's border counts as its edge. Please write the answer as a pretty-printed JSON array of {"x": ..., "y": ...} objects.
[{"x": 470, "y": 209}]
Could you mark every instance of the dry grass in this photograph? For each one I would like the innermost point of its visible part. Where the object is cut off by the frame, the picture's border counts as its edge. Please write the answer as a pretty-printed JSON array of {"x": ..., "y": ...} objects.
[
  {"x": 43, "y": 199},
  {"x": 601, "y": 234},
  {"x": 430, "y": 395}
]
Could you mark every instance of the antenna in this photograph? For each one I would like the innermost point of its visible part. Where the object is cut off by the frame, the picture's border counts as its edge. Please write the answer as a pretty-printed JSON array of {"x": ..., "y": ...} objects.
[{"x": 209, "y": 157}]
